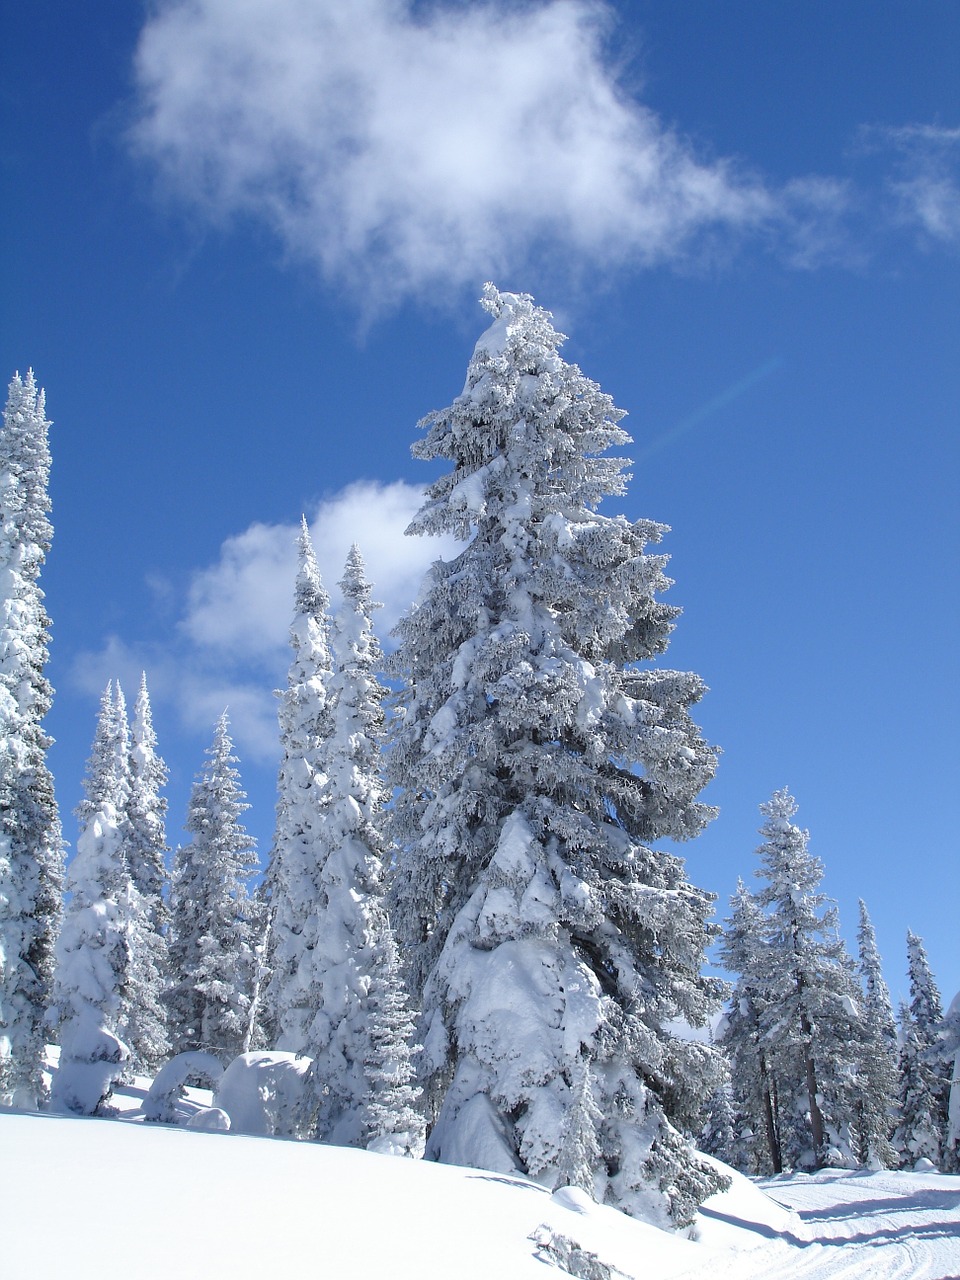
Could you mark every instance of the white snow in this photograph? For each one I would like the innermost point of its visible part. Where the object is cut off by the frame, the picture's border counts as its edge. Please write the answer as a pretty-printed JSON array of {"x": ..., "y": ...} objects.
[{"x": 245, "y": 1207}]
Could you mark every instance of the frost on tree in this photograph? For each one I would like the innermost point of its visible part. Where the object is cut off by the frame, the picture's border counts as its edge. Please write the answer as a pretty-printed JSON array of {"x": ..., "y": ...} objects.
[
  {"x": 292, "y": 877},
  {"x": 924, "y": 1085},
  {"x": 813, "y": 1031},
  {"x": 138, "y": 772},
  {"x": 146, "y": 811},
  {"x": 539, "y": 757},
  {"x": 31, "y": 847},
  {"x": 948, "y": 1053},
  {"x": 93, "y": 987},
  {"x": 743, "y": 1034},
  {"x": 212, "y": 950},
  {"x": 359, "y": 1091},
  {"x": 876, "y": 1103}
]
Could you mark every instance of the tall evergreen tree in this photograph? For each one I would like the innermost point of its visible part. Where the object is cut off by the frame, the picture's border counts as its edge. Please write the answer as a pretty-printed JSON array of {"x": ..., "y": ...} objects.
[
  {"x": 146, "y": 811},
  {"x": 745, "y": 951},
  {"x": 31, "y": 846},
  {"x": 924, "y": 1090},
  {"x": 538, "y": 760},
  {"x": 813, "y": 1031},
  {"x": 291, "y": 881},
  {"x": 213, "y": 936},
  {"x": 357, "y": 1036},
  {"x": 93, "y": 953},
  {"x": 878, "y": 1073},
  {"x": 144, "y": 1019}
]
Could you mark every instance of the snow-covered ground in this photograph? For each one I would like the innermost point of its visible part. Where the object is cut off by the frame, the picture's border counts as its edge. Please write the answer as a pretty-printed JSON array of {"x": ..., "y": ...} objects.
[{"x": 94, "y": 1198}]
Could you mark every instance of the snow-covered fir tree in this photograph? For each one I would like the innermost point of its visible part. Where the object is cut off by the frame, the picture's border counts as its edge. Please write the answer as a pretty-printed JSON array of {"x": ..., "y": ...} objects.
[
  {"x": 142, "y": 1019},
  {"x": 92, "y": 985},
  {"x": 745, "y": 952},
  {"x": 146, "y": 843},
  {"x": 392, "y": 1120},
  {"x": 879, "y": 1078},
  {"x": 720, "y": 1135},
  {"x": 813, "y": 1032},
  {"x": 213, "y": 929},
  {"x": 924, "y": 1086},
  {"x": 948, "y": 1052},
  {"x": 31, "y": 847},
  {"x": 358, "y": 1038},
  {"x": 539, "y": 757},
  {"x": 292, "y": 878}
]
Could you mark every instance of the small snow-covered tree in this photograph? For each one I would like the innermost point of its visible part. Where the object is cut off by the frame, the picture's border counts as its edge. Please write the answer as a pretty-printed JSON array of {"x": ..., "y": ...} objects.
[
  {"x": 745, "y": 951},
  {"x": 92, "y": 984},
  {"x": 392, "y": 1121},
  {"x": 539, "y": 758},
  {"x": 813, "y": 1029},
  {"x": 31, "y": 846},
  {"x": 924, "y": 1090},
  {"x": 878, "y": 1070},
  {"x": 291, "y": 881},
  {"x": 357, "y": 1035},
  {"x": 213, "y": 940}
]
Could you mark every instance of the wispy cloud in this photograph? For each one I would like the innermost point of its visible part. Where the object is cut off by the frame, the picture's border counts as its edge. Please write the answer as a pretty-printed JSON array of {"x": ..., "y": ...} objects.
[
  {"x": 401, "y": 147},
  {"x": 230, "y": 645},
  {"x": 925, "y": 185}
]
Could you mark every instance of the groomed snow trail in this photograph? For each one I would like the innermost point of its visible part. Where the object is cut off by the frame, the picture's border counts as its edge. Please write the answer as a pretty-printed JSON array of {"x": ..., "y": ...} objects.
[{"x": 859, "y": 1226}]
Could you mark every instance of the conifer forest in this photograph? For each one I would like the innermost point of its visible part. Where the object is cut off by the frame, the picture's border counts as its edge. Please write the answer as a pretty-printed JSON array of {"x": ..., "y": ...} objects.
[{"x": 473, "y": 939}]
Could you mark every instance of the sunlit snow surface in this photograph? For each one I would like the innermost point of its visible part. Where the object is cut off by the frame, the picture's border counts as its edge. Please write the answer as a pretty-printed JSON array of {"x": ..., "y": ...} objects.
[{"x": 93, "y": 1198}]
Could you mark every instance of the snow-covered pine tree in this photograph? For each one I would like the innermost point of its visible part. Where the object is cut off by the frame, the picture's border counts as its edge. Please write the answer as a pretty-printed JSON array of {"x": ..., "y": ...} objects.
[
  {"x": 31, "y": 846},
  {"x": 813, "y": 1030},
  {"x": 92, "y": 984},
  {"x": 538, "y": 759},
  {"x": 146, "y": 843},
  {"x": 212, "y": 934},
  {"x": 878, "y": 1071},
  {"x": 745, "y": 951},
  {"x": 948, "y": 1051},
  {"x": 392, "y": 1121},
  {"x": 291, "y": 882},
  {"x": 143, "y": 1018},
  {"x": 924, "y": 1090},
  {"x": 357, "y": 1038}
]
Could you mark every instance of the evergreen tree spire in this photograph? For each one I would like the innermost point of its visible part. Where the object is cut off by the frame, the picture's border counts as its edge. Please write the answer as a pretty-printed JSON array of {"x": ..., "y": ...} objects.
[
  {"x": 92, "y": 986},
  {"x": 539, "y": 757},
  {"x": 212, "y": 946},
  {"x": 745, "y": 951},
  {"x": 813, "y": 1030},
  {"x": 31, "y": 845},
  {"x": 147, "y": 809},
  {"x": 924, "y": 1090},
  {"x": 359, "y": 1036},
  {"x": 291, "y": 880},
  {"x": 877, "y": 1096}
]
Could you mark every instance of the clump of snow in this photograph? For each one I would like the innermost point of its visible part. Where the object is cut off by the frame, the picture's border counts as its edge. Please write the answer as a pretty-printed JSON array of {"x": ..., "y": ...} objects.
[
  {"x": 210, "y": 1120},
  {"x": 162, "y": 1103},
  {"x": 262, "y": 1092}
]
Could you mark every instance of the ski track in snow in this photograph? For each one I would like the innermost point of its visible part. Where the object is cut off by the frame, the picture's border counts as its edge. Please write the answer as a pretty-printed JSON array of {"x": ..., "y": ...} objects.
[{"x": 866, "y": 1226}]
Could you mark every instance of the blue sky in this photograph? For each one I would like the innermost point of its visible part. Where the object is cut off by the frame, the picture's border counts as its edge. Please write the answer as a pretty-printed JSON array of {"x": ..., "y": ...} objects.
[{"x": 242, "y": 250}]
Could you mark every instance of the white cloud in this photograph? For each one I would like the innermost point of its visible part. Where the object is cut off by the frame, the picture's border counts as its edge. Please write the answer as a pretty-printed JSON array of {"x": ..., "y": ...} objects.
[
  {"x": 398, "y": 147},
  {"x": 230, "y": 648},
  {"x": 927, "y": 185},
  {"x": 241, "y": 605}
]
